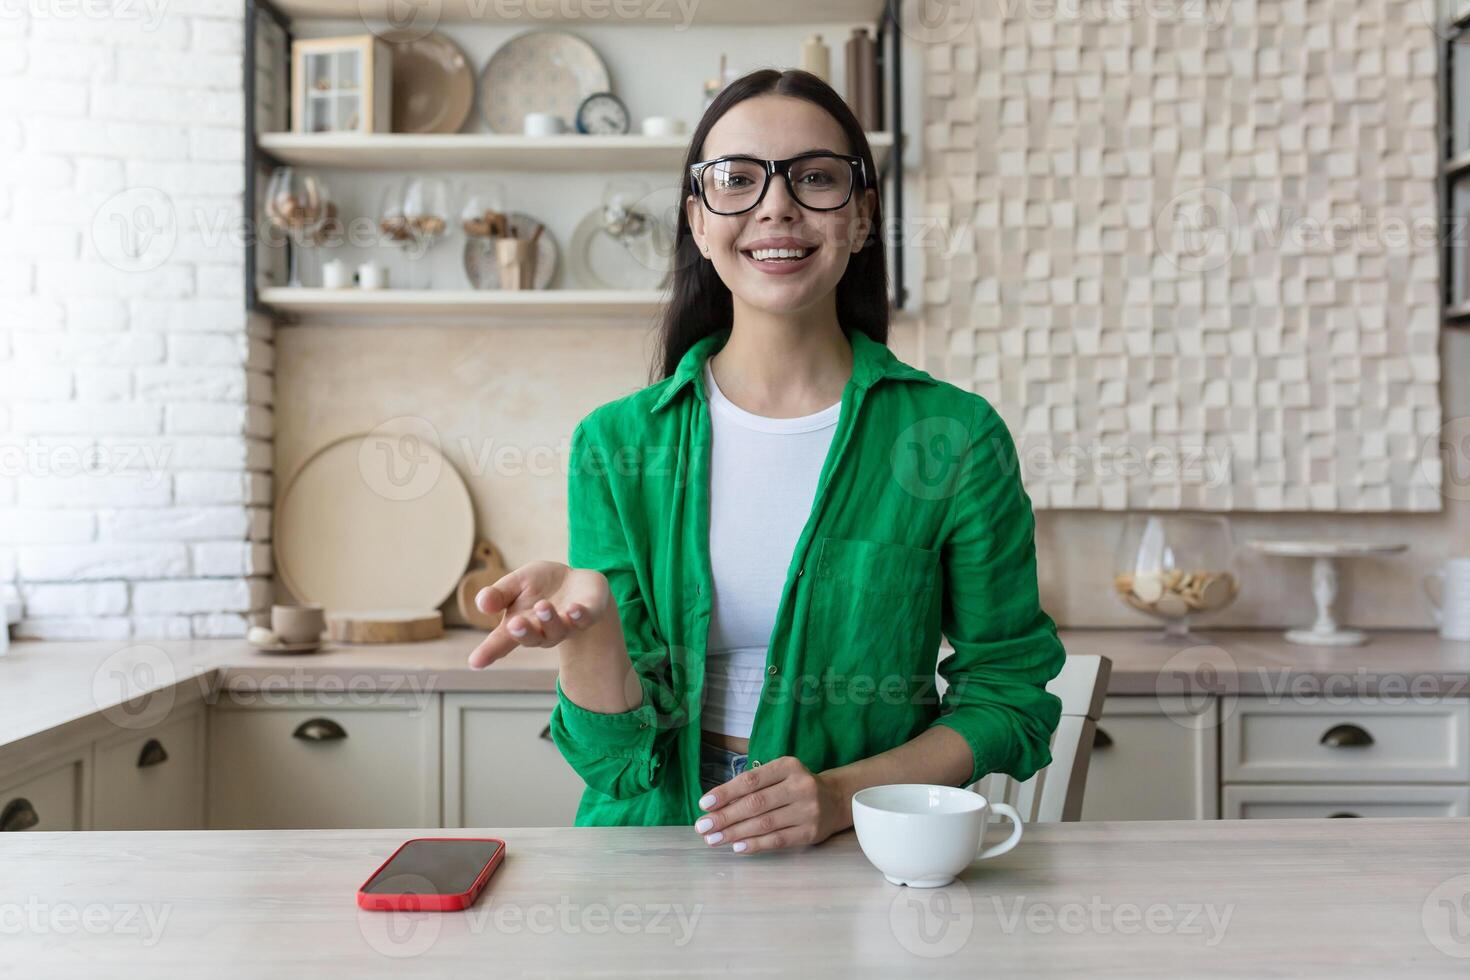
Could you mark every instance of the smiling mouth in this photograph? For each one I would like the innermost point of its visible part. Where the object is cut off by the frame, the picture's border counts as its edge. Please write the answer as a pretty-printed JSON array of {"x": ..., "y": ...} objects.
[{"x": 779, "y": 256}]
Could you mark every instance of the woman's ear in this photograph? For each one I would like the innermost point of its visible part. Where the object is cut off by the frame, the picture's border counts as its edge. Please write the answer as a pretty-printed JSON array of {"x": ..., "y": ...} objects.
[{"x": 695, "y": 215}]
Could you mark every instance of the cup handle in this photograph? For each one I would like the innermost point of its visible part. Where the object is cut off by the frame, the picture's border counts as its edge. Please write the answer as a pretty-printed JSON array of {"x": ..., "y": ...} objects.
[
  {"x": 1009, "y": 812},
  {"x": 1435, "y": 609}
]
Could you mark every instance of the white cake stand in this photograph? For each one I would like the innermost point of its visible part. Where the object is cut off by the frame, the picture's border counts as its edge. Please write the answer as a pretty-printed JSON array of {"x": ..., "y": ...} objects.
[{"x": 1325, "y": 632}]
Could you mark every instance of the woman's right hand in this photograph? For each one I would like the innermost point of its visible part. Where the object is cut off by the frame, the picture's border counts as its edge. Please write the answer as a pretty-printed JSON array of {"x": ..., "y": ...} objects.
[{"x": 543, "y": 602}]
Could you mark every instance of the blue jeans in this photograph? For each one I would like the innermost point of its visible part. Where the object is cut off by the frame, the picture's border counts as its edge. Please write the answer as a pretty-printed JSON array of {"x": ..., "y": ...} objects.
[{"x": 718, "y": 765}]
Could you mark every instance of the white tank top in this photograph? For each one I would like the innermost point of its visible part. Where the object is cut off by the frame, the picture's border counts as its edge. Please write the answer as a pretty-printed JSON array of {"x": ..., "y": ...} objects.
[{"x": 763, "y": 479}]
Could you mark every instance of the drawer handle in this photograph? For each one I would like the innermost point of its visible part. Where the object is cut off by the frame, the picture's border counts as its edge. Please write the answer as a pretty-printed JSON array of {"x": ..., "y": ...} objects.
[
  {"x": 1342, "y": 814},
  {"x": 153, "y": 754},
  {"x": 319, "y": 730},
  {"x": 546, "y": 732},
  {"x": 18, "y": 815},
  {"x": 1346, "y": 736},
  {"x": 1101, "y": 739}
]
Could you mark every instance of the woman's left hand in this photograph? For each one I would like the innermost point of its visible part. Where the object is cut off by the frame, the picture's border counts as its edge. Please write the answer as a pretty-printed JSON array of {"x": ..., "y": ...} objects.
[{"x": 778, "y": 804}]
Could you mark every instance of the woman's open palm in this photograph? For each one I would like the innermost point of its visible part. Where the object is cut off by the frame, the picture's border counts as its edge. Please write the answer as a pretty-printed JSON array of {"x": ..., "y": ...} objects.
[{"x": 542, "y": 602}]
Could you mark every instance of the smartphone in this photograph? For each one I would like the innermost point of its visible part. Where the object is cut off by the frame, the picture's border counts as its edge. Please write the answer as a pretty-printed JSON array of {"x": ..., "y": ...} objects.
[{"x": 432, "y": 874}]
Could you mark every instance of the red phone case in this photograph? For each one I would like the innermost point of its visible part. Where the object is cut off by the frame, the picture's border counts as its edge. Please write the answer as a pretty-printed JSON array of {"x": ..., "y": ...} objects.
[{"x": 385, "y": 902}]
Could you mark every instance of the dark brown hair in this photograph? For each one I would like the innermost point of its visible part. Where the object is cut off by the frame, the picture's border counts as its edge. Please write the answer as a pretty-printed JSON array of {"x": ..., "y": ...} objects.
[{"x": 699, "y": 301}]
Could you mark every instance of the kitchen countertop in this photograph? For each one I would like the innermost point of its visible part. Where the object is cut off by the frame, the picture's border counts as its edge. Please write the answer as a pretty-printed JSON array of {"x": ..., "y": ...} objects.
[
  {"x": 1332, "y": 898},
  {"x": 48, "y": 684}
]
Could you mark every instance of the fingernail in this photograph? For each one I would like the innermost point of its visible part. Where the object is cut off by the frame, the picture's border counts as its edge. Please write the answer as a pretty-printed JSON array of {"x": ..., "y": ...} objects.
[
  {"x": 715, "y": 838},
  {"x": 738, "y": 846},
  {"x": 704, "y": 823},
  {"x": 707, "y": 801},
  {"x": 543, "y": 614},
  {"x": 575, "y": 614},
  {"x": 517, "y": 630}
]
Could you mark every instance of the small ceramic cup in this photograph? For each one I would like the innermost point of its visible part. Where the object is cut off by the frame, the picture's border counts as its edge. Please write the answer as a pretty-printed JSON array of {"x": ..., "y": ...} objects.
[
  {"x": 372, "y": 275},
  {"x": 662, "y": 126},
  {"x": 923, "y": 835},
  {"x": 542, "y": 124},
  {"x": 298, "y": 624},
  {"x": 335, "y": 275}
]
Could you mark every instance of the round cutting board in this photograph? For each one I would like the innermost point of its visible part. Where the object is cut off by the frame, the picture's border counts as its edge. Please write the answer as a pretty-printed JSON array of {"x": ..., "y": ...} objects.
[{"x": 374, "y": 521}]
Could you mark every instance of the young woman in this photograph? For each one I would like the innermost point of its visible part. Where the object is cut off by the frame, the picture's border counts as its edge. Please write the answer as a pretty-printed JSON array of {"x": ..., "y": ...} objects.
[{"x": 766, "y": 544}]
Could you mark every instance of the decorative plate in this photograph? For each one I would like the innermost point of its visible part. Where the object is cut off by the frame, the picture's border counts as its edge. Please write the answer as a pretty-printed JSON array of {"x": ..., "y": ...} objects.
[
  {"x": 540, "y": 71},
  {"x": 433, "y": 86}
]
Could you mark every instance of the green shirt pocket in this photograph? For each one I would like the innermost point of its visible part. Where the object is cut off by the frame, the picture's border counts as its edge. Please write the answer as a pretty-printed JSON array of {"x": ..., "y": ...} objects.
[{"x": 867, "y": 615}]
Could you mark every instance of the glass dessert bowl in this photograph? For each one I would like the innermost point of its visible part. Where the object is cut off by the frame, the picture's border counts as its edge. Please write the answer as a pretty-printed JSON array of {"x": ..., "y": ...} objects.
[{"x": 1173, "y": 566}]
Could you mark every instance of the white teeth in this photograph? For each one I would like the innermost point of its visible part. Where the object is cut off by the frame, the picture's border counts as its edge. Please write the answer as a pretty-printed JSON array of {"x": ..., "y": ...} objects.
[{"x": 762, "y": 254}]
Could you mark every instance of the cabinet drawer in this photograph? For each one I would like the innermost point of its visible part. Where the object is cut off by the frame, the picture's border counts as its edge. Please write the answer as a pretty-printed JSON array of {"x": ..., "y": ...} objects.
[
  {"x": 357, "y": 760},
  {"x": 1153, "y": 759},
  {"x": 52, "y": 794},
  {"x": 1267, "y": 741},
  {"x": 152, "y": 779},
  {"x": 499, "y": 771},
  {"x": 1354, "y": 800}
]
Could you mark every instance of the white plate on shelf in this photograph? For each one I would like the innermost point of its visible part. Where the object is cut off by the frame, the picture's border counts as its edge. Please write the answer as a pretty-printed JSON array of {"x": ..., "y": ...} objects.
[{"x": 540, "y": 71}]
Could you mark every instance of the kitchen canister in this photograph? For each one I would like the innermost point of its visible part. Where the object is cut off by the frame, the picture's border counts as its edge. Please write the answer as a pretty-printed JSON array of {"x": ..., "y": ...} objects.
[
  {"x": 372, "y": 275},
  {"x": 335, "y": 274},
  {"x": 1451, "y": 609},
  {"x": 816, "y": 58},
  {"x": 862, "y": 79}
]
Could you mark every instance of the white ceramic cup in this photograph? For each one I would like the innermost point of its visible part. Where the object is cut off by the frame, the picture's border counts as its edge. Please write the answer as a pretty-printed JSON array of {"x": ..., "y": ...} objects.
[
  {"x": 662, "y": 126},
  {"x": 542, "y": 124},
  {"x": 372, "y": 275},
  {"x": 334, "y": 274},
  {"x": 922, "y": 835},
  {"x": 1451, "y": 609}
]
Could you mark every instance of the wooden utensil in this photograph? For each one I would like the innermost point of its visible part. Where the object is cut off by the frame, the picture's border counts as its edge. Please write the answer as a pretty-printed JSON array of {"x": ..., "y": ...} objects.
[
  {"x": 487, "y": 566},
  {"x": 385, "y": 625}
]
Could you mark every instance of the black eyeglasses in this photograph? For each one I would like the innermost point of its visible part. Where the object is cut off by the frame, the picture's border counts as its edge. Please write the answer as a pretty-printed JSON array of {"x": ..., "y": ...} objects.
[{"x": 817, "y": 181}]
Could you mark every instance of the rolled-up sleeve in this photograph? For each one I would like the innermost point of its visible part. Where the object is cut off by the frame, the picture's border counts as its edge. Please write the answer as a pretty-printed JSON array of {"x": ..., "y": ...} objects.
[
  {"x": 619, "y": 754},
  {"x": 1006, "y": 647}
]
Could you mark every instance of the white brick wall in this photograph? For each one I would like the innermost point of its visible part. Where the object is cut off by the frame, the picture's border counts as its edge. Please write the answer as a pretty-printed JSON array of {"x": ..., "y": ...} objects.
[{"x": 135, "y": 393}]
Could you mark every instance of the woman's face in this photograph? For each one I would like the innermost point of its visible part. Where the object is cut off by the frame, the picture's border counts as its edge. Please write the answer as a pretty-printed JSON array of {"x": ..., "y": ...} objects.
[{"x": 774, "y": 127}]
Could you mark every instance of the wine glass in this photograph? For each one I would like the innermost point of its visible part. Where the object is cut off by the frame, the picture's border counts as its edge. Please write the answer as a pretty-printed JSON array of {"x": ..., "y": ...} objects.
[
  {"x": 426, "y": 210},
  {"x": 1171, "y": 566},
  {"x": 296, "y": 204},
  {"x": 331, "y": 231},
  {"x": 392, "y": 225}
]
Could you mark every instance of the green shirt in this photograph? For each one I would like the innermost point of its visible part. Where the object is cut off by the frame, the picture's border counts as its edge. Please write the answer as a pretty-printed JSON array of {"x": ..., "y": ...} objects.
[{"x": 920, "y": 524}]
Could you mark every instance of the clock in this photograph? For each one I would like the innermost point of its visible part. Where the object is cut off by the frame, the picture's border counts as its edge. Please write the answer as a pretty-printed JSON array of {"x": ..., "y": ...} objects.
[{"x": 602, "y": 114}]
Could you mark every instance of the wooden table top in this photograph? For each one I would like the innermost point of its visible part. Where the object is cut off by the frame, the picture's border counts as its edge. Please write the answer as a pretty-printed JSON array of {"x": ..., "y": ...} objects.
[{"x": 1332, "y": 898}]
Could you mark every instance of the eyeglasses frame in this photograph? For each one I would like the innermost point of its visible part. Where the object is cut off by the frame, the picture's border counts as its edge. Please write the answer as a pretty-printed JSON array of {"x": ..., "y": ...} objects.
[{"x": 771, "y": 167}]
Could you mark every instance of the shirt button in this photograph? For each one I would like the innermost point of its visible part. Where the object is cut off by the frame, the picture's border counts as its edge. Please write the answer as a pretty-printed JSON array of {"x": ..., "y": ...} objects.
[{"x": 771, "y": 669}]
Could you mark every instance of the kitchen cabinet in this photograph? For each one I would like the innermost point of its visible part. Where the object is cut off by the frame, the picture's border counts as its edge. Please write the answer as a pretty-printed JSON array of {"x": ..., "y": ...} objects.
[
  {"x": 304, "y": 760},
  {"x": 51, "y": 795},
  {"x": 1153, "y": 758},
  {"x": 151, "y": 779},
  {"x": 1360, "y": 800},
  {"x": 501, "y": 768},
  {"x": 1265, "y": 740},
  {"x": 1347, "y": 757}
]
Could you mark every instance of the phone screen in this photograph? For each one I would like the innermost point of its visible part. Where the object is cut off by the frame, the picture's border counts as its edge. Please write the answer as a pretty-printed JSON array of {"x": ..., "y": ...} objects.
[{"x": 434, "y": 867}]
